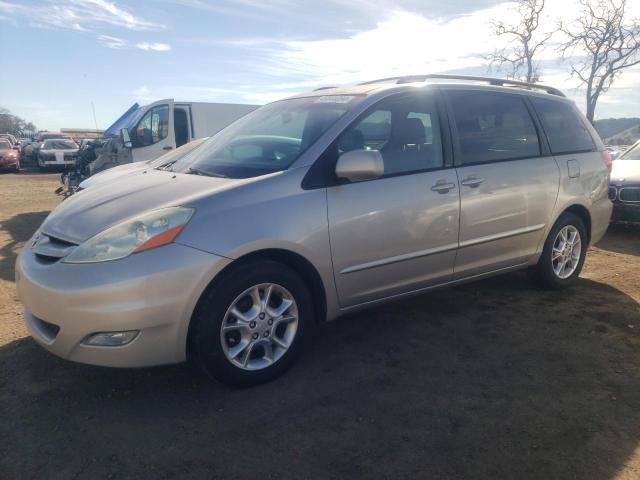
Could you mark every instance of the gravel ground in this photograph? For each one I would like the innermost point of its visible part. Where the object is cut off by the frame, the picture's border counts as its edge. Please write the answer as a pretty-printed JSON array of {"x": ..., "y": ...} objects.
[{"x": 490, "y": 380}]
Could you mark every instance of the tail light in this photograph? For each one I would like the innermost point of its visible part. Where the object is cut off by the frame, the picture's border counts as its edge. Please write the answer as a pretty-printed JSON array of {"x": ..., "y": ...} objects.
[{"x": 608, "y": 161}]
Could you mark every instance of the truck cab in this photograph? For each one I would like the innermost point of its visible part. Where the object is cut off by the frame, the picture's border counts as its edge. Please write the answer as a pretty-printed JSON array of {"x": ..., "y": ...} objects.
[{"x": 152, "y": 130}]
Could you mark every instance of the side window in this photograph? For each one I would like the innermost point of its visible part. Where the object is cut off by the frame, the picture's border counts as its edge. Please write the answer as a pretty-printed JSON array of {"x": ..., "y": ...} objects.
[
  {"x": 154, "y": 126},
  {"x": 564, "y": 127},
  {"x": 405, "y": 130},
  {"x": 492, "y": 127}
]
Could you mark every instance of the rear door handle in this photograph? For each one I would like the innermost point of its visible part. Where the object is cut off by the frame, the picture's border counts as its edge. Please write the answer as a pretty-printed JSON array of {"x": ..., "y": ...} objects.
[
  {"x": 472, "y": 182},
  {"x": 167, "y": 148},
  {"x": 443, "y": 186}
]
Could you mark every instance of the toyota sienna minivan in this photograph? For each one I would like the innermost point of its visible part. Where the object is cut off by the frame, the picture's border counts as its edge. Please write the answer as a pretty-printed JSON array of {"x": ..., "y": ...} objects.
[{"x": 312, "y": 207}]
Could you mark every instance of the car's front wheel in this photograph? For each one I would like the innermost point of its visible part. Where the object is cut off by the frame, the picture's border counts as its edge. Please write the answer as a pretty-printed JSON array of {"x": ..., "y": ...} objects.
[
  {"x": 563, "y": 255},
  {"x": 250, "y": 325}
]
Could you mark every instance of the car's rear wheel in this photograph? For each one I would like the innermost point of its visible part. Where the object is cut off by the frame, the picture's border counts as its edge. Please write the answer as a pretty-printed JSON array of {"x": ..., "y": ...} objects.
[
  {"x": 250, "y": 325},
  {"x": 563, "y": 255}
]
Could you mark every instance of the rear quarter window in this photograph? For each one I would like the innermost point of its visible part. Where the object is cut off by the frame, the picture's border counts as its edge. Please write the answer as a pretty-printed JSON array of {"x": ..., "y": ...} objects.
[
  {"x": 564, "y": 126},
  {"x": 492, "y": 127}
]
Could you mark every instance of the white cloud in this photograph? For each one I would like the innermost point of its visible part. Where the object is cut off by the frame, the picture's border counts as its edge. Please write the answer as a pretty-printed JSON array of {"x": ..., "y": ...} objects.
[
  {"x": 82, "y": 15},
  {"x": 119, "y": 44},
  {"x": 158, "y": 47},
  {"x": 112, "y": 42},
  {"x": 406, "y": 43}
]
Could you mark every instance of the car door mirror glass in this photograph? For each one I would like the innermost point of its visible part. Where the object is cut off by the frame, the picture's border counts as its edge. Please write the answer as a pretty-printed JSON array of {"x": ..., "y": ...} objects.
[{"x": 359, "y": 165}]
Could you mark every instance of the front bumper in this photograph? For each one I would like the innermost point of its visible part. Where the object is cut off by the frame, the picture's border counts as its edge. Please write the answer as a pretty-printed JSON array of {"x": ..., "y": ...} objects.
[
  {"x": 626, "y": 212},
  {"x": 154, "y": 292},
  {"x": 9, "y": 163}
]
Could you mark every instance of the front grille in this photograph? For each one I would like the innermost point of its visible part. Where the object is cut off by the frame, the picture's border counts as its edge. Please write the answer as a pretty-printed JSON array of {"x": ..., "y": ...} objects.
[
  {"x": 59, "y": 242},
  {"x": 630, "y": 194},
  {"x": 613, "y": 193},
  {"x": 50, "y": 249}
]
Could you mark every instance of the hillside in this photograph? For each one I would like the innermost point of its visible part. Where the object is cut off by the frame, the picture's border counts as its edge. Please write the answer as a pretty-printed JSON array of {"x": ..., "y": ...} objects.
[
  {"x": 626, "y": 137},
  {"x": 618, "y": 131}
]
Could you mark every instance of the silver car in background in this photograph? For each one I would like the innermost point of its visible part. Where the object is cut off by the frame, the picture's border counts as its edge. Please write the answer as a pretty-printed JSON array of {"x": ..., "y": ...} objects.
[{"x": 312, "y": 207}]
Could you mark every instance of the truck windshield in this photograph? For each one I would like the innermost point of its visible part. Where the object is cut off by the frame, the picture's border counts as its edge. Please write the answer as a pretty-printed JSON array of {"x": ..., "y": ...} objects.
[
  {"x": 125, "y": 121},
  {"x": 267, "y": 140}
]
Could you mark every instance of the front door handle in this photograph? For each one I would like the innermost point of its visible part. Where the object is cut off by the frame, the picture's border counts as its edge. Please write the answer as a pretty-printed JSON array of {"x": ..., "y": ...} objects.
[
  {"x": 167, "y": 148},
  {"x": 443, "y": 187},
  {"x": 472, "y": 182}
]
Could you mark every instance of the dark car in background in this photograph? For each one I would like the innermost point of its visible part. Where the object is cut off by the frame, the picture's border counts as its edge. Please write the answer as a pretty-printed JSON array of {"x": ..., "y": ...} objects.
[
  {"x": 624, "y": 186},
  {"x": 9, "y": 156}
]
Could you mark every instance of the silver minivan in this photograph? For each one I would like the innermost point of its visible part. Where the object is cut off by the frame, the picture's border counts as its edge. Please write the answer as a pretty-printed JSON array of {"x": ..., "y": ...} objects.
[{"x": 311, "y": 207}]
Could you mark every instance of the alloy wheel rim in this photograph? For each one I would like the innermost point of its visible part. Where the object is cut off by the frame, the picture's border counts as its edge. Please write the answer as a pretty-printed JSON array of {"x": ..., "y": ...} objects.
[
  {"x": 565, "y": 255},
  {"x": 259, "y": 326}
]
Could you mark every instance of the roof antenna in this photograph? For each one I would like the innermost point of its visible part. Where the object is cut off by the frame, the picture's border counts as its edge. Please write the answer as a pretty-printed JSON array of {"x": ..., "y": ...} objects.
[{"x": 93, "y": 108}]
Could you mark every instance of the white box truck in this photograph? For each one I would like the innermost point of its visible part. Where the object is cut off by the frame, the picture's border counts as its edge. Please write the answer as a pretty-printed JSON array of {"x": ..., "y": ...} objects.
[{"x": 146, "y": 132}]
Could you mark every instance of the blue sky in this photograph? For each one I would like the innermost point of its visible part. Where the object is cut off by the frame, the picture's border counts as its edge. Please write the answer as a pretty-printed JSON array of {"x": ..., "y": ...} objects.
[{"x": 66, "y": 54}]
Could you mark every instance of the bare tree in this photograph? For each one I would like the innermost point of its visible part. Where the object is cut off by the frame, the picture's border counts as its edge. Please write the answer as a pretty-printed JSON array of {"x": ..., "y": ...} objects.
[
  {"x": 602, "y": 46},
  {"x": 14, "y": 125},
  {"x": 525, "y": 42}
]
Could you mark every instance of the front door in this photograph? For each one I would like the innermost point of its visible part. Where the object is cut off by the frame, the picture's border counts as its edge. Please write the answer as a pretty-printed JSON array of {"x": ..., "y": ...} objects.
[
  {"x": 508, "y": 186},
  {"x": 154, "y": 134},
  {"x": 397, "y": 233}
]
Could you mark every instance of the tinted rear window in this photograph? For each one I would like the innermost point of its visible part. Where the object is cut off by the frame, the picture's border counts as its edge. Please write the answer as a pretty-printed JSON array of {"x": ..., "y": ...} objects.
[
  {"x": 493, "y": 127},
  {"x": 564, "y": 127}
]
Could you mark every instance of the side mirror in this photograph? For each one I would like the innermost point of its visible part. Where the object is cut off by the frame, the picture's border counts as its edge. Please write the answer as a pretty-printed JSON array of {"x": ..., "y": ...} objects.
[
  {"x": 126, "y": 140},
  {"x": 359, "y": 165}
]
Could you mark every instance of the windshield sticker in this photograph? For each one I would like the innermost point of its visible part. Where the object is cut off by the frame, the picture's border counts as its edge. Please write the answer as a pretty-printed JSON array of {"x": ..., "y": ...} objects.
[{"x": 334, "y": 99}]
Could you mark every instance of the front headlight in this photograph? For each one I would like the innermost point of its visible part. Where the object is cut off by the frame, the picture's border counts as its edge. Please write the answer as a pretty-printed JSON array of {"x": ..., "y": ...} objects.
[{"x": 137, "y": 234}]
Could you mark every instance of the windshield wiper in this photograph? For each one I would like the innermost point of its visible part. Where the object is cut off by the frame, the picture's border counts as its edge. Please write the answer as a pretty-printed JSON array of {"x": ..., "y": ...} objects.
[
  {"x": 196, "y": 171},
  {"x": 166, "y": 165}
]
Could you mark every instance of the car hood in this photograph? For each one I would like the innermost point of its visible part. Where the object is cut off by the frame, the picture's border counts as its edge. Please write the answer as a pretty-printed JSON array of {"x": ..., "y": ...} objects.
[
  {"x": 114, "y": 173},
  {"x": 91, "y": 211},
  {"x": 625, "y": 171}
]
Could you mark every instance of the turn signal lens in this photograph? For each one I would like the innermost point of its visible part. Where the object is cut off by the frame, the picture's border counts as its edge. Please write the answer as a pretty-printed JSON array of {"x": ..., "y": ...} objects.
[{"x": 160, "y": 239}]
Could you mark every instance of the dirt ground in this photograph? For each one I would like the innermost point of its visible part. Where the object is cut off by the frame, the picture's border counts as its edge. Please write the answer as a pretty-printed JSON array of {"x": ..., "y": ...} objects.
[{"x": 491, "y": 380}]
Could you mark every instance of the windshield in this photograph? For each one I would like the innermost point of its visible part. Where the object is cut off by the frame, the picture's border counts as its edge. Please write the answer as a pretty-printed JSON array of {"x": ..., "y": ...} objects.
[
  {"x": 267, "y": 140},
  {"x": 632, "y": 154},
  {"x": 4, "y": 145},
  {"x": 123, "y": 122},
  {"x": 59, "y": 145},
  {"x": 173, "y": 156}
]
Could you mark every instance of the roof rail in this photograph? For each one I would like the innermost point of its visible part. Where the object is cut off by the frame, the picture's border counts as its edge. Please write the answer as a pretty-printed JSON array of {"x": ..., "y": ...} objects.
[
  {"x": 501, "y": 82},
  {"x": 322, "y": 88}
]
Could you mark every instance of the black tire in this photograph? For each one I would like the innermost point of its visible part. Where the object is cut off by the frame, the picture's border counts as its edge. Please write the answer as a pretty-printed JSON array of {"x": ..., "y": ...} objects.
[
  {"x": 205, "y": 344},
  {"x": 542, "y": 273}
]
